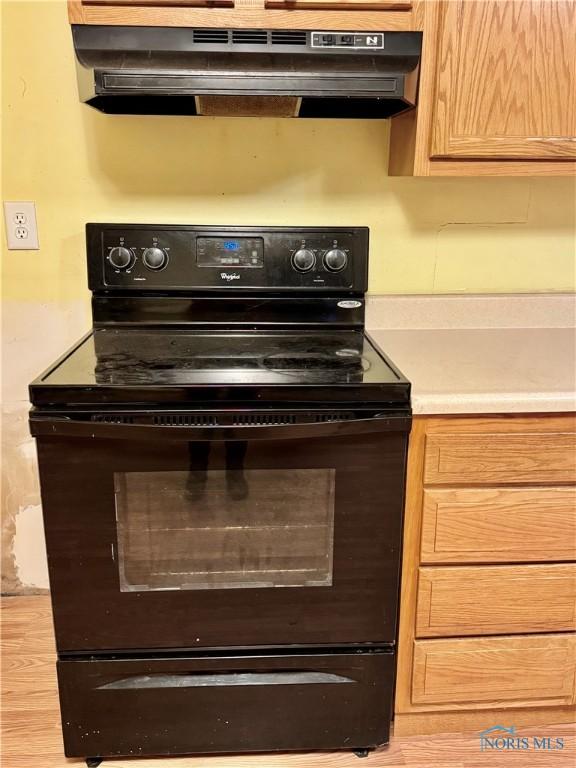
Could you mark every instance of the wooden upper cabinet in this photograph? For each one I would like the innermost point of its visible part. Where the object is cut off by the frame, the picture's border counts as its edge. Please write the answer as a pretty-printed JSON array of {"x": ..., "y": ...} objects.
[
  {"x": 160, "y": 3},
  {"x": 247, "y": 14},
  {"x": 139, "y": 12},
  {"x": 331, "y": 5},
  {"x": 506, "y": 80},
  {"x": 341, "y": 5}
]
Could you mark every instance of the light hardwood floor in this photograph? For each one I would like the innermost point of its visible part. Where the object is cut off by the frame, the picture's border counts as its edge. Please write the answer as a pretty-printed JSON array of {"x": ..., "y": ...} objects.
[{"x": 31, "y": 723}]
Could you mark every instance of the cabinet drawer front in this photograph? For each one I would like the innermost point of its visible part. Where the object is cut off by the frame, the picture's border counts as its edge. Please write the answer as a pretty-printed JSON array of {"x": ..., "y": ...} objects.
[
  {"x": 468, "y": 525},
  {"x": 513, "y": 671},
  {"x": 485, "y": 458},
  {"x": 491, "y": 600}
]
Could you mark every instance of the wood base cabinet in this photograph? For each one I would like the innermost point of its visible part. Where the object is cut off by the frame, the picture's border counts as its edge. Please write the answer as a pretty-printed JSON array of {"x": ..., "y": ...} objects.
[{"x": 488, "y": 609}]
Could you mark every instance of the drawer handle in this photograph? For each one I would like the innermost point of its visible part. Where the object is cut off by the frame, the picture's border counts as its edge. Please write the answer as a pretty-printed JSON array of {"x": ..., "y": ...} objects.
[{"x": 207, "y": 680}]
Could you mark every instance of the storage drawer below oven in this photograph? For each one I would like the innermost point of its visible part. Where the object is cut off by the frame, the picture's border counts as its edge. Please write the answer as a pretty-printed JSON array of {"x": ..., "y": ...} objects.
[{"x": 142, "y": 707}]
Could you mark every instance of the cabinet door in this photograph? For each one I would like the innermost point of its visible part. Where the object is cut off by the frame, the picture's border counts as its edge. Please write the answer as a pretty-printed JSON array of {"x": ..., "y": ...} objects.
[{"x": 506, "y": 84}]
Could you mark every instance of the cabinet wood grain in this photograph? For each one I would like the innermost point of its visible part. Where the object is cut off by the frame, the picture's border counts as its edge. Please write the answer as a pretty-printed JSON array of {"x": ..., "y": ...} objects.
[
  {"x": 497, "y": 671},
  {"x": 493, "y": 600},
  {"x": 421, "y": 722},
  {"x": 483, "y": 525},
  {"x": 388, "y": 15},
  {"x": 526, "y": 168},
  {"x": 410, "y": 558},
  {"x": 506, "y": 80},
  {"x": 335, "y": 5},
  {"x": 342, "y": 5},
  {"x": 159, "y": 3},
  {"x": 500, "y": 457}
]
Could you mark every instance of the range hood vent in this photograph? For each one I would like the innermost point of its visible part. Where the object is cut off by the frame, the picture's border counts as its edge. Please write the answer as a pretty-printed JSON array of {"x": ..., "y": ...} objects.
[
  {"x": 288, "y": 37},
  {"x": 250, "y": 36},
  {"x": 254, "y": 72},
  {"x": 210, "y": 36}
]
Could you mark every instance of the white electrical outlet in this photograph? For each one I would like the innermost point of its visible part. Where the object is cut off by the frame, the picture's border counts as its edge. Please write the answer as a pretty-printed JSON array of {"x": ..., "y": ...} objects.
[{"x": 21, "y": 228}]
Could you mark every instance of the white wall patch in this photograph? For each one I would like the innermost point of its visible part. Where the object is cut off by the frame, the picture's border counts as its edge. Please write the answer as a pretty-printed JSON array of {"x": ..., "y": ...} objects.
[{"x": 30, "y": 548}]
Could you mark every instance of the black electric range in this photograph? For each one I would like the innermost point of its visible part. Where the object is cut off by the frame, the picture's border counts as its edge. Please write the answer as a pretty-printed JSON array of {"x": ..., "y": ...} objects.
[{"x": 222, "y": 463}]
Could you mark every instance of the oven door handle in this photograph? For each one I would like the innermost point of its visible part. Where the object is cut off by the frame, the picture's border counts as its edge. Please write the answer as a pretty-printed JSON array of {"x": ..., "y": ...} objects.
[{"x": 47, "y": 425}]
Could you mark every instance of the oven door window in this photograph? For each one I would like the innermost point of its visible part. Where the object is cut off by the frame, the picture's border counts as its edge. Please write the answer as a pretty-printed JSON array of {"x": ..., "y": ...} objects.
[{"x": 223, "y": 529}]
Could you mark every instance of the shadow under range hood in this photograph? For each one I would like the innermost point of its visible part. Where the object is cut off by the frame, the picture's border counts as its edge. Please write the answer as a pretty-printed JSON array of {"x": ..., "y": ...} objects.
[{"x": 245, "y": 72}]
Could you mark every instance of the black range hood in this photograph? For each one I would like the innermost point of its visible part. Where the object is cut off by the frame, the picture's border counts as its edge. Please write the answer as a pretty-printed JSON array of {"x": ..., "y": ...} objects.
[{"x": 255, "y": 72}]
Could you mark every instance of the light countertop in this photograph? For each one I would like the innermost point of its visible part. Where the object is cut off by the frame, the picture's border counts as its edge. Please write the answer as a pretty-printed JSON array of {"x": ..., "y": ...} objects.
[{"x": 479, "y": 369}]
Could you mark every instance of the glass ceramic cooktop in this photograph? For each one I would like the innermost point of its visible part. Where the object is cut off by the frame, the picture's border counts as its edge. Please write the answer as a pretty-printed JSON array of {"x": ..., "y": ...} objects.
[{"x": 137, "y": 357}]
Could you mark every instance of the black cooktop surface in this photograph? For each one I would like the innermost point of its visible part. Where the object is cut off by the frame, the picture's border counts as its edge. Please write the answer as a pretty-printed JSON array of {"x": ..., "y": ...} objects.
[{"x": 161, "y": 366}]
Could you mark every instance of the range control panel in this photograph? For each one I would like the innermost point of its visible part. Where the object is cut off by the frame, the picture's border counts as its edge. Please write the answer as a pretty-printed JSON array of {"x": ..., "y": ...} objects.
[
  {"x": 238, "y": 252},
  {"x": 180, "y": 258}
]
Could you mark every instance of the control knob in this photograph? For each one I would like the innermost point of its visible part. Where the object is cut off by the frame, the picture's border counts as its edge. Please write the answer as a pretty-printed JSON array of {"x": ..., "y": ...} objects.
[
  {"x": 303, "y": 260},
  {"x": 155, "y": 258},
  {"x": 335, "y": 259},
  {"x": 120, "y": 257}
]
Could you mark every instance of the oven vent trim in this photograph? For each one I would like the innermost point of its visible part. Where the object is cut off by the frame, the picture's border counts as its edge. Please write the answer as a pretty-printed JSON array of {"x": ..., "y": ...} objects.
[
  {"x": 223, "y": 419},
  {"x": 112, "y": 418},
  {"x": 323, "y": 418},
  {"x": 184, "y": 420},
  {"x": 266, "y": 419}
]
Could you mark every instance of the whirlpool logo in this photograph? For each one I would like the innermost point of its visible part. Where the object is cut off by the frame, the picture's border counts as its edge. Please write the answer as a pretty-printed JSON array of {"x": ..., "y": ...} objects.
[
  {"x": 499, "y": 738},
  {"x": 229, "y": 276}
]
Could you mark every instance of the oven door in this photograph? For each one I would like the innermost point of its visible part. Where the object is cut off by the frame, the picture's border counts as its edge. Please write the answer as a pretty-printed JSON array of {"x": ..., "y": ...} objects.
[{"x": 270, "y": 533}]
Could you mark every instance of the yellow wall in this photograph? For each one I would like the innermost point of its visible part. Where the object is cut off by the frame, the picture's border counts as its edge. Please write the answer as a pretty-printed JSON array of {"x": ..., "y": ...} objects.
[
  {"x": 474, "y": 235},
  {"x": 78, "y": 165}
]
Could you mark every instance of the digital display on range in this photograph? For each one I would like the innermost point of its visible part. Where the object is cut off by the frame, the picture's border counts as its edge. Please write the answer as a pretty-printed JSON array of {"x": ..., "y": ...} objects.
[{"x": 243, "y": 252}]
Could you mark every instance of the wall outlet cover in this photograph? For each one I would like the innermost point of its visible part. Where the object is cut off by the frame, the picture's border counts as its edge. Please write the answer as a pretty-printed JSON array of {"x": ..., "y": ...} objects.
[{"x": 21, "y": 226}]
